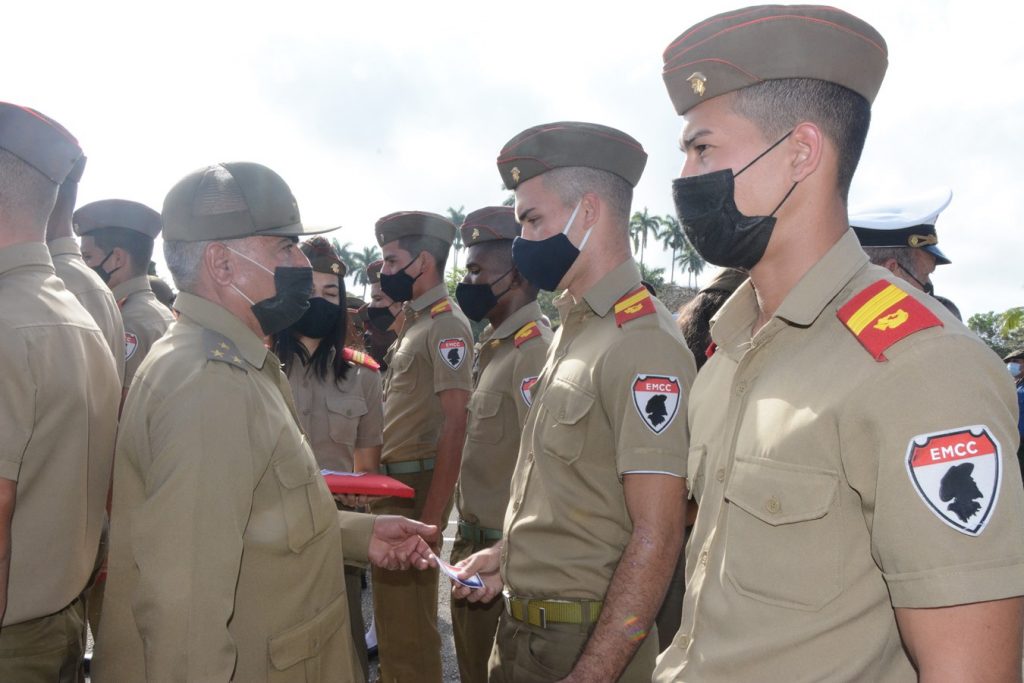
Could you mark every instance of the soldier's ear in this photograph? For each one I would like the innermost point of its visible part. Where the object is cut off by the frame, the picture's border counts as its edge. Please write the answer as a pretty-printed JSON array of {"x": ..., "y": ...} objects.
[{"x": 218, "y": 264}]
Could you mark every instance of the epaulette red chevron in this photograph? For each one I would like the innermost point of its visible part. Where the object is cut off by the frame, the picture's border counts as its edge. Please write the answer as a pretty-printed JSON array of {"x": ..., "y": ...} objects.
[
  {"x": 882, "y": 314},
  {"x": 442, "y": 306},
  {"x": 526, "y": 333},
  {"x": 360, "y": 358},
  {"x": 636, "y": 304}
]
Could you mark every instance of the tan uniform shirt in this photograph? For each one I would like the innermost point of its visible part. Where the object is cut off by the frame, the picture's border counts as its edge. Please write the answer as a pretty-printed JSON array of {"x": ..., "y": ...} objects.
[
  {"x": 88, "y": 288},
  {"x": 811, "y": 527},
  {"x": 338, "y": 417},
  {"x": 433, "y": 352},
  {"x": 58, "y": 416},
  {"x": 225, "y": 552},
  {"x": 596, "y": 415},
  {"x": 506, "y": 366},
  {"x": 145, "y": 321}
]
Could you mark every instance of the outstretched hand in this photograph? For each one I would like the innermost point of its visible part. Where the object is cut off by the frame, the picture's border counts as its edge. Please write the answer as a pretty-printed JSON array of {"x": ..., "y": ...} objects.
[
  {"x": 486, "y": 563},
  {"x": 401, "y": 543}
]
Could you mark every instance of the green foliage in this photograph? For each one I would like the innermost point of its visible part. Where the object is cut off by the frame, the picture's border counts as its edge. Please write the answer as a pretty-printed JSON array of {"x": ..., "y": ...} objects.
[
  {"x": 654, "y": 276},
  {"x": 1003, "y": 332},
  {"x": 641, "y": 225},
  {"x": 358, "y": 262}
]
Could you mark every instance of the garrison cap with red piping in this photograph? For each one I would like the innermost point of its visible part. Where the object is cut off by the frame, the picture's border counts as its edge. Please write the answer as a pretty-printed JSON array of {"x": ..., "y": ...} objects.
[
  {"x": 117, "y": 213},
  {"x": 489, "y": 224},
  {"x": 414, "y": 224},
  {"x": 39, "y": 141}
]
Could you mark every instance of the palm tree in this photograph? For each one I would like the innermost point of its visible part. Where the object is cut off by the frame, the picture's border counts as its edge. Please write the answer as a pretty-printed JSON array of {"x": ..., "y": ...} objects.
[
  {"x": 673, "y": 238},
  {"x": 641, "y": 225},
  {"x": 360, "y": 260},
  {"x": 655, "y": 277},
  {"x": 691, "y": 262},
  {"x": 458, "y": 217}
]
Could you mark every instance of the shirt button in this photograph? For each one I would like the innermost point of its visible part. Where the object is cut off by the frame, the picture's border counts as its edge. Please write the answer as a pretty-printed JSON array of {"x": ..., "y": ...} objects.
[
  {"x": 529, "y": 457},
  {"x": 684, "y": 640},
  {"x": 741, "y": 388},
  {"x": 704, "y": 558},
  {"x": 773, "y": 505},
  {"x": 515, "y": 506},
  {"x": 720, "y": 475}
]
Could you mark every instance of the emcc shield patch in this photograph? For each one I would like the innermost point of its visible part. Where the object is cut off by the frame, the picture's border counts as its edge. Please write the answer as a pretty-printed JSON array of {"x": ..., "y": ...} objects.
[
  {"x": 656, "y": 398},
  {"x": 453, "y": 351}
]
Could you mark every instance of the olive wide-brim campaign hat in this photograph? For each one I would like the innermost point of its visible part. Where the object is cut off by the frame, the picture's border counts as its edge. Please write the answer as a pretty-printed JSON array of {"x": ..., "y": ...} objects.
[{"x": 737, "y": 49}]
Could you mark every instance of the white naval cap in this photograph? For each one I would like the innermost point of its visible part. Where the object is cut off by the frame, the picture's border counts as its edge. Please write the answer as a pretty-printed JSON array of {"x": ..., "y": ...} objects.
[{"x": 907, "y": 223}]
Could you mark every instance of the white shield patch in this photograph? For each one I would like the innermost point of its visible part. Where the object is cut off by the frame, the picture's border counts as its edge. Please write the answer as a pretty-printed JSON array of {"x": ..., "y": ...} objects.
[
  {"x": 131, "y": 342},
  {"x": 656, "y": 398},
  {"x": 524, "y": 388},
  {"x": 957, "y": 474},
  {"x": 453, "y": 352}
]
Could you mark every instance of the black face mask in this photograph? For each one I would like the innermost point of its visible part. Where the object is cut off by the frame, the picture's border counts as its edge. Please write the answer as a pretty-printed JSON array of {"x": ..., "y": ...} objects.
[
  {"x": 545, "y": 262},
  {"x": 706, "y": 206},
  {"x": 477, "y": 300},
  {"x": 104, "y": 274},
  {"x": 398, "y": 286},
  {"x": 380, "y": 318},
  {"x": 319, "y": 320},
  {"x": 292, "y": 288}
]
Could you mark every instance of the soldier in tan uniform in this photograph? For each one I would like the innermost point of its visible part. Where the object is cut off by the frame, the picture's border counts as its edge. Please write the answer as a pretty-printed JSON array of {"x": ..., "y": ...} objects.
[
  {"x": 337, "y": 394},
  {"x": 426, "y": 389},
  {"x": 595, "y": 517},
  {"x": 78, "y": 278},
  {"x": 226, "y": 556},
  {"x": 117, "y": 243},
  {"x": 58, "y": 417},
  {"x": 860, "y": 512},
  {"x": 507, "y": 362}
]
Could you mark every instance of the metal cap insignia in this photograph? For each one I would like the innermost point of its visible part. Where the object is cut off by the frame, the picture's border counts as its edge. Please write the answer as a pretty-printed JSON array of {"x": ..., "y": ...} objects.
[
  {"x": 698, "y": 83},
  {"x": 515, "y": 174}
]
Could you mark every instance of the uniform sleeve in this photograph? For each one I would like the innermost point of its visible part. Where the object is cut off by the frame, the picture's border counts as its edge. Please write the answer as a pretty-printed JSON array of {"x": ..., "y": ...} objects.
[
  {"x": 930, "y": 445},
  {"x": 645, "y": 383},
  {"x": 450, "y": 350},
  {"x": 17, "y": 402},
  {"x": 187, "y": 534},
  {"x": 530, "y": 360},
  {"x": 371, "y": 426},
  {"x": 356, "y": 531}
]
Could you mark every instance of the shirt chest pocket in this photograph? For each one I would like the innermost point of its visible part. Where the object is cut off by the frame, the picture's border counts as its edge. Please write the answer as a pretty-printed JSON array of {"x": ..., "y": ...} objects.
[
  {"x": 307, "y": 506},
  {"x": 343, "y": 415},
  {"x": 402, "y": 374},
  {"x": 566, "y": 410},
  {"x": 784, "y": 533},
  {"x": 484, "y": 418}
]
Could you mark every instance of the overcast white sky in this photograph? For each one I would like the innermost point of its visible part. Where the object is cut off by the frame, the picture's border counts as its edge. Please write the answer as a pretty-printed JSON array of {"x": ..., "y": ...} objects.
[{"x": 404, "y": 105}]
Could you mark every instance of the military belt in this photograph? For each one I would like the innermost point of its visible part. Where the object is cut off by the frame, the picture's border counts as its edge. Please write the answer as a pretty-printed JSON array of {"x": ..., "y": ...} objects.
[
  {"x": 476, "y": 534},
  {"x": 543, "y": 612},
  {"x": 407, "y": 467}
]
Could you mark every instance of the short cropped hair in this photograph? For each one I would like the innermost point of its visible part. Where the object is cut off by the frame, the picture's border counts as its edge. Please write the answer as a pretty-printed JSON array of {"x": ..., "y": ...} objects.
[
  {"x": 138, "y": 246},
  {"x": 414, "y": 244},
  {"x": 26, "y": 195},
  {"x": 902, "y": 256},
  {"x": 778, "y": 105},
  {"x": 572, "y": 182},
  {"x": 184, "y": 260}
]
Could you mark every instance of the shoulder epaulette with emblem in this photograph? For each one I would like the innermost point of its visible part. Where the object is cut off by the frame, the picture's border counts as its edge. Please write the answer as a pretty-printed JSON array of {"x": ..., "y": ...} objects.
[
  {"x": 442, "y": 306},
  {"x": 526, "y": 333},
  {"x": 882, "y": 314},
  {"x": 636, "y": 304},
  {"x": 220, "y": 348},
  {"x": 360, "y": 358}
]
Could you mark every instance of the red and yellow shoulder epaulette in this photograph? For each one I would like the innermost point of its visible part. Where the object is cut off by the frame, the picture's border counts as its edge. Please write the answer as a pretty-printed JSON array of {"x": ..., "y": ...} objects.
[
  {"x": 442, "y": 306},
  {"x": 360, "y": 358},
  {"x": 526, "y": 333},
  {"x": 882, "y": 314},
  {"x": 636, "y": 304}
]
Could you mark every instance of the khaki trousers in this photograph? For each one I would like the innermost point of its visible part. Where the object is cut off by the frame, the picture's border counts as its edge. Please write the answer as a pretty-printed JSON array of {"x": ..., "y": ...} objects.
[
  {"x": 474, "y": 624},
  {"x": 45, "y": 650}
]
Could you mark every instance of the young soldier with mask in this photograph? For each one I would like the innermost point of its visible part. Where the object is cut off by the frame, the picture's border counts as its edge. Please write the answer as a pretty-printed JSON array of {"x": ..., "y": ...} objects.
[
  {"x": 426, "y": 389},
  {"x": 337, "y": 396},
  {"x": 508, "y": 360},
  {"x": 383, "y": 318},
  {"x": 860, "y": 515},
  {"x": 595, "y": 516},
  {"x": 117, "y": 243},
  {"x": 226, "y": 557}
]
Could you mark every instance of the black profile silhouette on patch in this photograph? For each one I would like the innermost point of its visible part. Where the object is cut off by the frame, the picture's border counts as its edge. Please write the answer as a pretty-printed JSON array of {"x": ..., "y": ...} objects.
[
  {"x": 959, "y": 486},
  {"x": 453, "y": 357},
  {"x": 655, "y": 409}
]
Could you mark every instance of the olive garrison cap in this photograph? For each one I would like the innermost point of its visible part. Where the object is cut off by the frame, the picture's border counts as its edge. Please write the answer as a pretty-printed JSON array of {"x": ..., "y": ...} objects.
[
  {"x": 907, "y": 223},
  {"x": 231, "y": 201},
  {"x": 116, "y": 213},
  {"x": 737, "y": 49},
  {"x": 414, "y": 224},
  {"x": 322, "y": 257},
  {"x": 569, "y": 143},
  {"x": 39, "y": 141},
  {"x": 373, "y": 271},
  {"x": 489, "y": 224}
]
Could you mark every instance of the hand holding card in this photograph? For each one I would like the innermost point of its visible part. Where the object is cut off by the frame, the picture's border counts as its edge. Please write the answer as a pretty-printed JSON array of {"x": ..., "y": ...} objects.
[{"x": 452, "y": 573}]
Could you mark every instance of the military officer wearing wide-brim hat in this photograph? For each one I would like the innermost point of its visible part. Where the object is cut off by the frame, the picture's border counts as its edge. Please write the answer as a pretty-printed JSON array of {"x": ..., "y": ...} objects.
[
  {"x": 595, "y": 516},
  {"x": 58, "y": 416},
  {"x": 901, "y": 236},
  {"x": 117, "y": 243},
  {"x": 426, "y": 389},
  {"x": 507, "y": 362},
  {"x": 226, "y": 560},
  {"x": 852, "y": 444}
]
